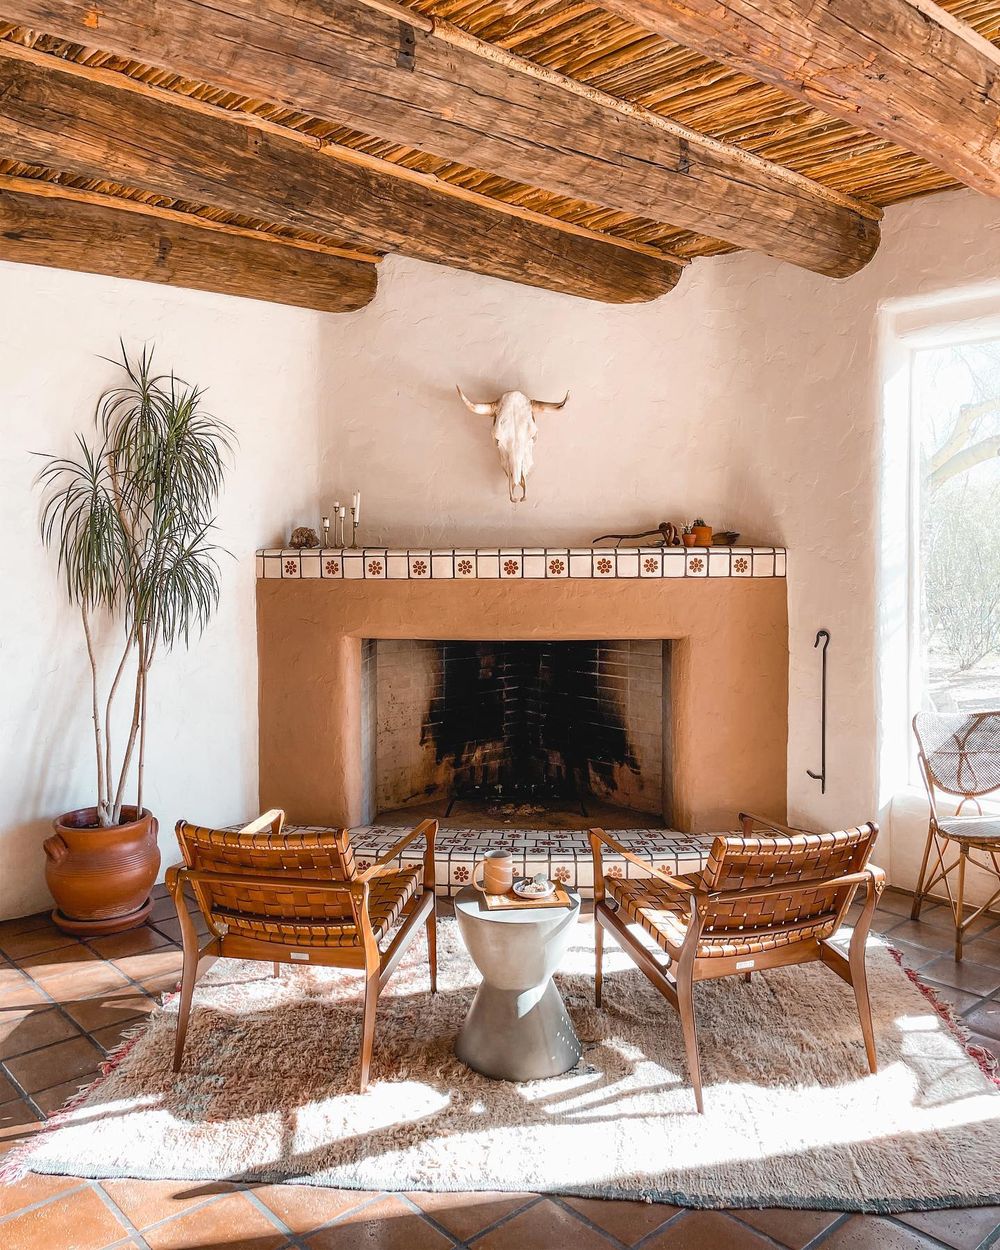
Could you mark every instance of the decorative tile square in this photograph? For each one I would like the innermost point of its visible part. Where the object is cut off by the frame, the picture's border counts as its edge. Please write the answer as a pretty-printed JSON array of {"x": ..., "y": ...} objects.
[
  {"x": 310, "y": 565},
  {"x": 697, "y": 562},
  {"x": 442, "y": 566},
  {"x": 397, "y": 565},
  {"x": 258, "y": 566},
  {"x": 333, "y": 565},
  {"x": 488, "y": 566},
  {"x": 354, "y": 567},
  {"x": 557, "y": 564},
  {"x": 581, "y": 566},
  {"x": 780, "y": 563},
  {"x": 420, "y": 565},
  {"x": 465, "y": 566},
  {"x": 533, "y": 566},
  {"x": 718, "y": 563},
  {"x": 741, "y": 565},
  {"x": 290, "y": 566},
  {"x": 650, "y": 564},
  {"x": 272, "y": 566},
  {"x": 763, "y": 564},
  {"x": 628, "y": 564},
  {"x": 511, "y": 564},
  {"x": 674, "y": 562}
]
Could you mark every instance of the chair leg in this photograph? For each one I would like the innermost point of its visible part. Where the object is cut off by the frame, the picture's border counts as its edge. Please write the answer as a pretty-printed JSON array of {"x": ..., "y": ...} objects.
[
  {"x": 189, "y": 977},
  {"x": 432, "y": 946},
  {"x": 685, "y": 1004},
  {"x": 747, "y": 976},
  {"x": 859, "y": 980},
  {"x": 918, "y": 896},
  {"x": 963, "y": 857},
  {"x": 277, "y": 969},
  {"x": 599, "y": 957},
  {"x": 368, "y": 1028}
]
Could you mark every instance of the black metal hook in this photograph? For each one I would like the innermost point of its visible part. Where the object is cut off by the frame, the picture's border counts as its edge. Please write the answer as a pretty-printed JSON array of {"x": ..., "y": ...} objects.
[{"x": 823, "y": 634}]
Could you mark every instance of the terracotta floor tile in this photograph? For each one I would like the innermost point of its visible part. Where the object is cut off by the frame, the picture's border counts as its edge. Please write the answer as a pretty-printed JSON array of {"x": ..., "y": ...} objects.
[
  {"x": 125, "y": 1003},
  {"x": 388, "y": 1224},
  {"x": 132, "y": 942},
  {"x": 171, "y": 929},
  {"x": 32, "y": 1029},
  {"x": 896, "y": 902},
  {"x": 47, "y": 937},
  {"x": 228, "y": 1223},
  {"x": 41, "y": 1069},
  {"x": 148, "y": 965},
  {"x": 913, "y": 956},
  {"x": 16, "y": 990},
  {"x": 32, "y": 1189},
  {"x": 149, "y": 1202},
  {"x": 305, "y": 1207},
  {"x": 7, "y": 1090},
  {"x": 165, "y": 983},
  {"x": 961, "y": 1000},
  {"x": 80, "y": 1220},
  {"x": 985, "y": 1018},
  {"x": 111, "y": 1036},
  {"x": 871, "y": 1232},
  {"x": 95, "y": 978},
  {"x": 969, "y": 976},
  {"x": 543, "y": 1227},
  {"x": 964, "y": 1228},
  {"x": 707, "y": 1230},
  {"x": 988, "y": 1043},
  {"x": 56, "y": 963},
  {"x": 163, "y": 909},
  {"x": 794, "y": 1229},
  {"x": 52, "y": 1100},
  {"x": 628, "y": 1221},
  {"x": 24, "y": 924},
  {"x": 17, "y": 1121},
  {"x": 465, "y": 1215}
]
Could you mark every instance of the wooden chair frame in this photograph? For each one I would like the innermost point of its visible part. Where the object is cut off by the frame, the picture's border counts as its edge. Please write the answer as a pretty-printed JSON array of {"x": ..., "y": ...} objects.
[
  {"x": 936, "y": 845},
  {"x": 376, "y": 964},
  {"x": 676, "y": 979}
]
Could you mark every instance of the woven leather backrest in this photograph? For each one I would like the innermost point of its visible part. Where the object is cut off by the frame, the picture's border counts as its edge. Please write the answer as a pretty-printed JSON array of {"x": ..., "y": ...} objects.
[
  {"x": 962, "y": 750},
  {"x": 321, "y": 855},
  {"x": 802, "y": 862}
]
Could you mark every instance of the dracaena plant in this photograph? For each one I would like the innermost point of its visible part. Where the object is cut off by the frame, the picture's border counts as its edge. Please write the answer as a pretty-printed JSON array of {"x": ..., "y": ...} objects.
[{"x": 131, "y": 516}]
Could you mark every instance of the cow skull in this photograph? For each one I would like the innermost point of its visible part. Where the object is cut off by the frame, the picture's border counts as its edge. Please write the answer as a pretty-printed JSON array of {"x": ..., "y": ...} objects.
[{"x": 515, "y": 431}]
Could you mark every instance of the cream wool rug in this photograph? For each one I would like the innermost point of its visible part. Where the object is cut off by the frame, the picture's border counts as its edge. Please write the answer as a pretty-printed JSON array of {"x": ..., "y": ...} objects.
[{"x": 792, "y": 1117}]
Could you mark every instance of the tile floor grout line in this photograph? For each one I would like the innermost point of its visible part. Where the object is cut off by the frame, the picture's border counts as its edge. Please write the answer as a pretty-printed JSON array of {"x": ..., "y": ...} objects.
[
  {"x": 676, "y": 1218},
  {"x": 816, "y": 1242},
  {"x": 295, "y": 1239},
  {"x": 560, "y": 1201},
  {"x": 759, "y": 1232},
  {"x": 504, "y": 1219},
  {"x": 428, "y": 1219},
  {"x": 119, "y": 1214},
  {"x": 44, "y": 1202}
]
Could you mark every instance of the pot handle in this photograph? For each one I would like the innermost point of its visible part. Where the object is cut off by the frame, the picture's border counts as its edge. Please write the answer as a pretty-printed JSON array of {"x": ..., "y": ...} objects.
[{"x": 55, "y": 848}]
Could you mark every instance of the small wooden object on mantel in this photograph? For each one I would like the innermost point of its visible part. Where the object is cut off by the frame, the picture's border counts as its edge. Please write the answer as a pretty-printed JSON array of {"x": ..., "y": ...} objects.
[{"x": 512, "y": 902}]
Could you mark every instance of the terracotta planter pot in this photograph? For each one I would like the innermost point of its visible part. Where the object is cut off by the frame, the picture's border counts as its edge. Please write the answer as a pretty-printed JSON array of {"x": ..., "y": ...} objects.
[
  {"x": 101, "y": 878},
  {"x": 703, "y": 535},
  {"x": 688, "y": 540}
]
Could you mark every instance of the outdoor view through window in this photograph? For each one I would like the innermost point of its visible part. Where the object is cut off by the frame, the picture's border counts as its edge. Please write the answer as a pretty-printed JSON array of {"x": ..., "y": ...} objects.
[{"x": 956, "y": 493}]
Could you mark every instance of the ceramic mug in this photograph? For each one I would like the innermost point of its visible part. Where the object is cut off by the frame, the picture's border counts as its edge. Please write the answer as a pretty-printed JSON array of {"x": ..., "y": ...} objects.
[{"x": 498, "y": 872}]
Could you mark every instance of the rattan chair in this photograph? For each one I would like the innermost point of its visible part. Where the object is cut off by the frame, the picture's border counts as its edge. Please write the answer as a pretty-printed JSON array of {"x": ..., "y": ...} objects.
[
  {"x": 760, "y": 902},
  {"x": 959, "y": 755},
  {"x": 298, "y": 898}
]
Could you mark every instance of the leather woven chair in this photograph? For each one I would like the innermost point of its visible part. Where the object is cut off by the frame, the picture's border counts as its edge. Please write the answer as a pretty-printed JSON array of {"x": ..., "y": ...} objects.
[
  {"x": 959, "y": 755},
  {"x": 297, "y": 897},
  {"x": 761, "y": 901}
]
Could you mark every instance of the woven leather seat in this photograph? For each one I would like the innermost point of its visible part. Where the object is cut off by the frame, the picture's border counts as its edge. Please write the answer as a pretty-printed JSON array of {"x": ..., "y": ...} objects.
[
  {"x": 959, "y": 755},
  {"x": 297, "y": 896},
  {"x": 766, "y": 898}
]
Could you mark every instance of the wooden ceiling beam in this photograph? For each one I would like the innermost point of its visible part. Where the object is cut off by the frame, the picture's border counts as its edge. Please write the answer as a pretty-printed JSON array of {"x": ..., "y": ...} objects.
[
  {"x": 103, "y": 125},
  {"x": 43, "y": 224},
  {"x": 906, "y": 70},
  {"x": 456, "y": 97}
]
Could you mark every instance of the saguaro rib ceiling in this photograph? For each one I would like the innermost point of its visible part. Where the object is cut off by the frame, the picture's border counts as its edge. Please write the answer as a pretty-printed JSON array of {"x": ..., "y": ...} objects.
[
  {"x": 345, "y": 62},
  {"x": 906, "y": 69},
  {"x": 92, "y": 125}
]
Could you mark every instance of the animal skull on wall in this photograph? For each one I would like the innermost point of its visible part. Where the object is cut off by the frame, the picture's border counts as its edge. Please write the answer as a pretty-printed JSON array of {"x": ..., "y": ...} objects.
[{"x": 515, "y": 431}]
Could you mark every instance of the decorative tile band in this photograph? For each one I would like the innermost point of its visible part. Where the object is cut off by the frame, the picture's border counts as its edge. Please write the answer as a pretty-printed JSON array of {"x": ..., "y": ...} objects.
[{"x": 511, "y": 563}]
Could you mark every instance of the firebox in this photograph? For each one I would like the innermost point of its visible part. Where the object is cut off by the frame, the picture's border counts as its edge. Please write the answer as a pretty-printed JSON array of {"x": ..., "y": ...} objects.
[{"x": 530, "y": 728}]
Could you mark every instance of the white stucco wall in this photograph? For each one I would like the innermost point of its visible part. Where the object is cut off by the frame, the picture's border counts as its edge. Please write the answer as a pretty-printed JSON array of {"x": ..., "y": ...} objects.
[
  {"x": 750, "y": 394},
  {"x": 260, "y": 363}
]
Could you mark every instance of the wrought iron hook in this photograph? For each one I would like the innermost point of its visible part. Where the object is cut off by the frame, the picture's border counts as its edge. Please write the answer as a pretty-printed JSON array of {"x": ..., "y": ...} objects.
[{"x": 823, "y": 634}]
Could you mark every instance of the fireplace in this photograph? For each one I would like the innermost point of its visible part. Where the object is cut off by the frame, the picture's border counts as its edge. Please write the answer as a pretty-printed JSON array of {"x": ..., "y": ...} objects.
[{"x": 546, "y": 729}]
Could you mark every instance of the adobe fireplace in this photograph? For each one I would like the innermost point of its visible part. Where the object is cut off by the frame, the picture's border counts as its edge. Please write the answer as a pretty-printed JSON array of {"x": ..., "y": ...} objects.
[
  {"x": 513, "y": 727},
  {"x": 327, "y": 620}
]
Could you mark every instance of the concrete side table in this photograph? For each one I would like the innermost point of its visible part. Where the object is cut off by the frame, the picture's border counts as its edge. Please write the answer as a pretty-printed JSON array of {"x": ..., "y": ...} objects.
[{"x": 517, "y": 1028}]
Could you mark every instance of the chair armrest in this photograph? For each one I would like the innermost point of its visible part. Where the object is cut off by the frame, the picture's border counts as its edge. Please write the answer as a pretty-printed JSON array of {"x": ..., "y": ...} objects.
[
  {"x": 273, "y": 820},
  {"x": 825, "y": 883},
  {"x": 426, "y": 828},
  {"x": 599, "y": 835},
  {"x": 201, "y": 876}
]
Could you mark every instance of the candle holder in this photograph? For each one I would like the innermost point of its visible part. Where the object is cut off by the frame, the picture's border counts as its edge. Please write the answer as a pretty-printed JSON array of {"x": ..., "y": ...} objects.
[
  {"x": 354, "y": 529},
  {"x": 326, "y": 531},
  {"x": 339, "y": 539}
]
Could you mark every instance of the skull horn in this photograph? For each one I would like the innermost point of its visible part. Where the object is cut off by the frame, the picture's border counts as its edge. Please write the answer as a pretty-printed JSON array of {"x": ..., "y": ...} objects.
[
  {"x": 543, "y": 405},
  {"x": 483, "y": 410}
]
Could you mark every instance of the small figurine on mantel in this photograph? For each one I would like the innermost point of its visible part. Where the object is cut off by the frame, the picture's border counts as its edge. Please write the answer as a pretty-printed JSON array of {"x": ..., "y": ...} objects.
[
  {"x": 303, "y": 536},
  {"x": 666, "y": 534}
]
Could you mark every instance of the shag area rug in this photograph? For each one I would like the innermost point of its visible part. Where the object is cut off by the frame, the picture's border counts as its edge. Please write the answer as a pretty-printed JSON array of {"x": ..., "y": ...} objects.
[{"x": 792, "y": 1117}]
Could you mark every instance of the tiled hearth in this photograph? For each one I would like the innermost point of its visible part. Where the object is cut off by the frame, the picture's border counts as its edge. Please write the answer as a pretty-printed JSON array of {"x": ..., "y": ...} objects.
[{"x": 538, "y": 563}]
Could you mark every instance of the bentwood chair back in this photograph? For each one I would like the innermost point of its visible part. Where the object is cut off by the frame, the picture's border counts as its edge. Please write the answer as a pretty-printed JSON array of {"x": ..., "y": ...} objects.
[{"x": 296, "y": 896}]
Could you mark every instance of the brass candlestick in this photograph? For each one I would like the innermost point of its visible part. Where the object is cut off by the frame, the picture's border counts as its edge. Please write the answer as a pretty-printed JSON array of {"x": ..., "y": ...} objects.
[{"x": 354, "y": 529}]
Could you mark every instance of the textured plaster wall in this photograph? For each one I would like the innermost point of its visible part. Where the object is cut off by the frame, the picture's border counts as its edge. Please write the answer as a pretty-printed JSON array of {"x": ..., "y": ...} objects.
[
  {"x": 260, "y": 363},
  {"x": 752, "y": 394}
]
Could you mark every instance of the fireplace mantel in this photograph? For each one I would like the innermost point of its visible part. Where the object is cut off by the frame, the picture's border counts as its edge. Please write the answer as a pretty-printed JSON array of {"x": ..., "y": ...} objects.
[{"x": 513, "y": 563}]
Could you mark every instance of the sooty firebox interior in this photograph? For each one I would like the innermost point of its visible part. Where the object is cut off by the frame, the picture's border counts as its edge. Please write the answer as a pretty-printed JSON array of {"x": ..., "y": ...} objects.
[{"x": 524, "y": 728}]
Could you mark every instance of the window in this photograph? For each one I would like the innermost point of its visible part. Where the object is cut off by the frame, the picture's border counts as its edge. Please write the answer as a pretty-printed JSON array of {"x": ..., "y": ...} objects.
[{"x": 954, "y": 493}]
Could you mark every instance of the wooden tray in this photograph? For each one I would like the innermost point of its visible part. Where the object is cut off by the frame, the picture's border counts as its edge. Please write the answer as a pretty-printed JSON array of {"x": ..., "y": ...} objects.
[{"x": 513, "y": 902}]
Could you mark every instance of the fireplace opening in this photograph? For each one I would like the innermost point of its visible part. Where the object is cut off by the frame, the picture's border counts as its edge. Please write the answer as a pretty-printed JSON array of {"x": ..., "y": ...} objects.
[{"x": 542, "y": 732}]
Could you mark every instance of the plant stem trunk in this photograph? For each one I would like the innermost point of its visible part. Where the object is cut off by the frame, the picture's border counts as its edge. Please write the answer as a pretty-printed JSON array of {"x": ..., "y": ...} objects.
[
  {"x": 102, "y": 797},
  {"x": 111, "y": 698},
  {"x": 133, "y": 732}
]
